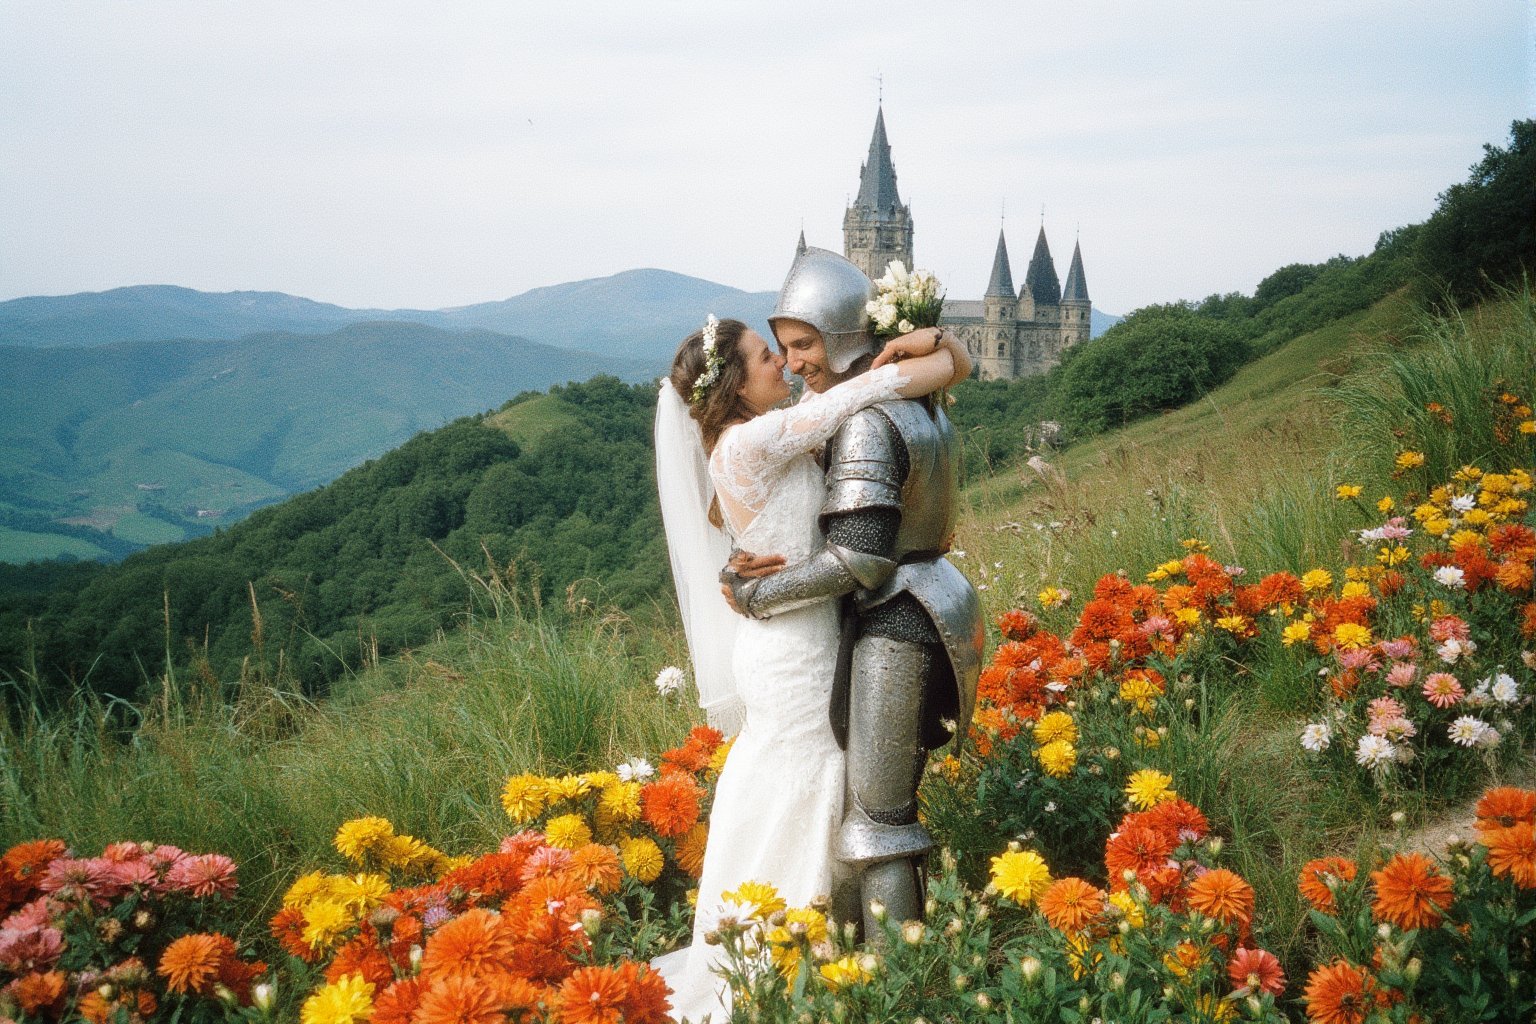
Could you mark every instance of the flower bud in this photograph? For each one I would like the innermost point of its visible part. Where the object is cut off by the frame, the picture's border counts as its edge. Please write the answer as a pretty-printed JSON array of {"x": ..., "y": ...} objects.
[
  {"x": 415, "y": 956},
  {"x": 1030, "y": 967},
  {"x": 1189, "y": 705},
  {"x": 983, "y": 912},
  {"x": 983, "y": 1001},
  {"x": 1084, "y": 1005},
  {"x": 877, "y": 910},
  {"x": 1412, "y": 968},
  {"x": 384, "y": 917},
  {"x": 105, "y": 991},
  {"x": 591, "y": 921},
  {"x": 1254, "y": 1006},
  {"x": 225, "y": 995},
  {"x": 953, "y": 927},
  {"x": 1207, "y": 925},
  {"x": 962, "y": 982},
  {"x": 263, "y": 995},
  {"x": 1398, "y": 818},
  {"x": 799, "y": 929},
  {"x": 1215, "y": 846},
  {"x": 1117, "y": 982},
  {"x": 912, "y": 933},
  {"x": 929, "y": 906},
  {"x": 1128, "y": 875},
  {"x": 712, "y": 938},
  {"x": 1123, "y": 927},
  {"x": 1384, "y": 931}
]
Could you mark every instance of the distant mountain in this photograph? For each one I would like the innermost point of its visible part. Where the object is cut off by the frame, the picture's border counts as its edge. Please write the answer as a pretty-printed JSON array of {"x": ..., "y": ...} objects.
[
  {"x": 110, "y": 448},
  {"x": 637, "y": 314},
  {"x": 1100, "y": 321}
]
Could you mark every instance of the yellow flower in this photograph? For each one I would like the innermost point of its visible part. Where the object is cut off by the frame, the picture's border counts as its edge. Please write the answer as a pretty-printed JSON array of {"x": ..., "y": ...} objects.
[
  {"x": 1344, "y": 492},
  {"x": 349, "y": 1000},
  {"x": 1057, "y": 758},
  {"x": 1079, "y": 948},
  {"x": 1020, "y": 875},
  {"x": 785, "y": 945},
  {"x": 567, "y": 832},
  {"x": 305, "y": 888},
  {"x": 1148, "y": 737},
  {"x": 444, "y": 864},
  {"x": 1188, "y": 616},
  {"x": 1316, "y": 579},
  {"x": 763, "y": 898},
  {"x": 1053, "y": 597},
  {"x": 1296, "y": 633},
  {"x": 360, "y": 893},
  {"x": 717, "y": 759},
  {"x": 1149, "y": 787},
  {"x": 1056, "y": 725},
  {"x": 1409, "y": 460},
  {"x": 361, "y": 837},
  {"x": 1437, "y": 527},
  {"x": 1140, "y": 692},
  {"x": 642, "y": 858},
  {"x": 600, "y": 780},
  {"x": 1232, "y": 623},
  {"x": 524, "y": 797},
  {"x": 1208, "y": 1006},
  {"x": 1528, "y": 427},
  {"x": 1355, "y": 588},
  {"x": 566, "y": 787},
  {"x": 1195, "y": 545},
  {"x": 1461, "y": 537},
  {"x": 1386, "y": 505},
  {"x": 844, "y": 972},
  {"x": 1135, "y": 914},
  {"x": 1351, "y": 637},
  {"x": 325, "y": 921},
  {"x": 1393, "y": 556},
  {"x": 1467, "y": 474},
  {"x": 1167, "y": 569},
  {"x": 621, "y": 801},
  {"x": 404, "y": 853},
  {"x": 1477, "y": 517}
]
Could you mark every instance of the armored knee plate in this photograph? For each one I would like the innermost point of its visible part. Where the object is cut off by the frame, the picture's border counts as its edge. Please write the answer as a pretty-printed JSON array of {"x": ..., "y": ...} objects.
[{"x": 862, "y": 841}]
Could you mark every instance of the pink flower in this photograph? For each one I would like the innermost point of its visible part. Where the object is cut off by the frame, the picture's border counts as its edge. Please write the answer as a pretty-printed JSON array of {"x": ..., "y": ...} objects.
[
  {"x": 1395, "y": 528},
  {"x": 1358, "y": 658},
  {"x": 1402, "y": 674},
  {"x": 31, "y": 949},
  {"x": 131, "y": 873},
  {"x": 76, "y": 880},
  {"x": 1442, "y": 689},
  {"x": 546, "y": 861},
  {"x": 530, "y": 840},
  {"x": 1449, "y": 627},
  {"x": 33, "y": 915},
  {"x": 1385, "y": 707},
  {"x": 211, "y": 874},
  {"x": 123, "y": 852},
  {"x": 1398, "y": 649}
]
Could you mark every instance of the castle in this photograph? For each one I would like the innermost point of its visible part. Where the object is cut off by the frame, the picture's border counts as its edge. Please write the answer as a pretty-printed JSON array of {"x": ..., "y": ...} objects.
[{"x": 1009, "y": 335}]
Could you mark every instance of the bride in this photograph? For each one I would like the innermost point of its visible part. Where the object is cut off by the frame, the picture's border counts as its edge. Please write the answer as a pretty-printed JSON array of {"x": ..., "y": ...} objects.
[{"x": 730, "y": 457}]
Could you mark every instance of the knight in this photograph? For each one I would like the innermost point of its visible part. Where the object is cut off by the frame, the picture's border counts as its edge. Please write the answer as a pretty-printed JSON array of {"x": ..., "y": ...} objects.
[{"x": 912, "y": 629}]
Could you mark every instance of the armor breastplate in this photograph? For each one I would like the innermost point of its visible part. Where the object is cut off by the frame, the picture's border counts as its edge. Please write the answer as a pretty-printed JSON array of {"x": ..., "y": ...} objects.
[{"x": 928, "y": 493}]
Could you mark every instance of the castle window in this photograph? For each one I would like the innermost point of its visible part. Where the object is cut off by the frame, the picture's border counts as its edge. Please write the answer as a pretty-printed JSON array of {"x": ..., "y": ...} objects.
[{"x": 1000, "y": 348}]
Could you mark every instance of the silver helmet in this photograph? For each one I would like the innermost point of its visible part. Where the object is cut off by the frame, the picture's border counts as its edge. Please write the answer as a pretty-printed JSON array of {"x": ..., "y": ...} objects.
[{"x": 829, "y": 293}]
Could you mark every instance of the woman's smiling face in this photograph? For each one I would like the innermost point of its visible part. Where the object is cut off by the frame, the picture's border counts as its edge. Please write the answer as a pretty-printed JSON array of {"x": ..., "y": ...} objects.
[{"x": 765, "y": 385}]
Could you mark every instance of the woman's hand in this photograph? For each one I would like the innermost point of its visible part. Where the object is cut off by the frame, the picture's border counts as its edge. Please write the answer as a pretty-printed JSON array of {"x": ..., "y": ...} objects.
[{"x": 928, "y": 341}]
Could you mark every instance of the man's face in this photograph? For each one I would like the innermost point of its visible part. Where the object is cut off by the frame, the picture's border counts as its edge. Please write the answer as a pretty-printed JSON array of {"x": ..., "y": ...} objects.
[{"x": 805, "y": 353}]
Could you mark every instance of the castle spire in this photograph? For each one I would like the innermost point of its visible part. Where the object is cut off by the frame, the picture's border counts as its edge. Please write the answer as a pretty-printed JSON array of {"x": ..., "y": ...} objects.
[
  {"x": 1001, "y": 284},
  {"x": 1040, "y": 281},
  {"x": 877, "y": 178},
  {"x": 1076, "y": 289},
  {"x": 801, "y": 247}
]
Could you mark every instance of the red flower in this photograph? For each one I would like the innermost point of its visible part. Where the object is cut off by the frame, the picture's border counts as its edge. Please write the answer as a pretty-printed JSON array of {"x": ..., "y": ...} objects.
[{"x": 1257, "y": 971}]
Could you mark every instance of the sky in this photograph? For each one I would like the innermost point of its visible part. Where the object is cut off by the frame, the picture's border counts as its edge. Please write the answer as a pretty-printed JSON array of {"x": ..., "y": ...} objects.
[{"x": 433, "y": 154}]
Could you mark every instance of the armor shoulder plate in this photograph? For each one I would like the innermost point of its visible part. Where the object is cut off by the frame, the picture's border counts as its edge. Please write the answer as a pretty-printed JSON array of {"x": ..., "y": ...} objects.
[{"x": 863, "y": 469}]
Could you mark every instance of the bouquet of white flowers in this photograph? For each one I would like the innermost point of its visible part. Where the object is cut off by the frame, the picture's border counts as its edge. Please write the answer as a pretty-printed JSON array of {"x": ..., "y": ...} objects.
[{"x": 908, "y": 300}]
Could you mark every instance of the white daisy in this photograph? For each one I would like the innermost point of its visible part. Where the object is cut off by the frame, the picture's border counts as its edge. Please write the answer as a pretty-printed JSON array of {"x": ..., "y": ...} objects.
[
  {"x": 1450, "y": 576},
  {"x": 1315, "y": 737},
  {"x": 669, "y": 680},
  {"x": 1375, "y": 752}
]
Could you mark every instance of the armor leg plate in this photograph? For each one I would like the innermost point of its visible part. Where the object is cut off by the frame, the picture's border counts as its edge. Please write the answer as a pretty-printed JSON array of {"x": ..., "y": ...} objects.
[{"x": 881, "y": 837}]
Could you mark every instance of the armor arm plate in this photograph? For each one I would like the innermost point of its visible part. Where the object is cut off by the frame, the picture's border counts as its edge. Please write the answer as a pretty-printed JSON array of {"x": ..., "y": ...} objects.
[
  {"x": 823, "y": 575},
  {"x": 865, "y": 466}
]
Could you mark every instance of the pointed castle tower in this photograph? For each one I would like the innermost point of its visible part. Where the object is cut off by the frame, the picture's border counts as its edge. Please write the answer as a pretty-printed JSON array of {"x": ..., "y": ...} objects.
[
  {"x": 877, "y": 228},
  {"x": 1076, "y": 307}
]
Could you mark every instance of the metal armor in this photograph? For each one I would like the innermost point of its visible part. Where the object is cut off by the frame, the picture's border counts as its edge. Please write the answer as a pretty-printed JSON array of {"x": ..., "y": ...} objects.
[{"x": 826, "y": 291}]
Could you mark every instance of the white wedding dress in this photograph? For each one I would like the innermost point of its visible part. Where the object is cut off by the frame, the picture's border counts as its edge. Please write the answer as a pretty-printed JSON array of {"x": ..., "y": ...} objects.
[{"x": 779, "y": 799}]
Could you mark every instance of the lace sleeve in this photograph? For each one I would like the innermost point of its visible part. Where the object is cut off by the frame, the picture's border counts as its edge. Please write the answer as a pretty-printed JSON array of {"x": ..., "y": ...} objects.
[{"x": 745, "y": 462}]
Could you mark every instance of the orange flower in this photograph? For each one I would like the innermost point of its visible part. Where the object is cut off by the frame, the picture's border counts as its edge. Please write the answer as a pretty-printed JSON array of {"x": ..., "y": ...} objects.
[
  {"x": 363, "y": 956},
  {"x": 1180, "y": 817},
  {"x": 26, "y": 861},
  {"x": 596, "y": 867},
  {"x": 192, "y": 963},
  {"x": 592, "y": 995},
  {"x": 1135, "y": 848},
  {"x": 459, "y": 999},
  {"x": 98, "y": 1009},
  {"x": 287, "y": 927},
  {"x": 475, "y": 942},
  {"x": 1256, "y": 970},
  {"x": 690, "y": 850},
  {"x": 646, "y": 999},
  {"x": 40, "y": 990},
  {"x": 397, "y": 1003},
  {"x": 671, "y": 804},
  {"x": 1070, "y": 904},
  {"x": 1505, "y": 806},
  {"x": 1313, "y": 884},
  {"x": 1223, "y": 895},
  {"x": 1410, "y": 892},
  {"x": 1512, "y": 851},
  {"x": 1340, "y": 993}
]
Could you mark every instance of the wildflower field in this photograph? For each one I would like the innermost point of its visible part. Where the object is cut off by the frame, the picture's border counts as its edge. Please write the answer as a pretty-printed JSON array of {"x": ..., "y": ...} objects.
[{"x": 1241, "y": 654}]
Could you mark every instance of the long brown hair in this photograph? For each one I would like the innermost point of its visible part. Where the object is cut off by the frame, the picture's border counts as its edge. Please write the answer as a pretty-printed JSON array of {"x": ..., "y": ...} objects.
[{"x": 721, "y": 403}]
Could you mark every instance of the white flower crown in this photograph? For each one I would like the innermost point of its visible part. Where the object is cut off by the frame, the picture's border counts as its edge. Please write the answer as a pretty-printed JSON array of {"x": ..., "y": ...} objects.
[{"x": 713, "y": 363}]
